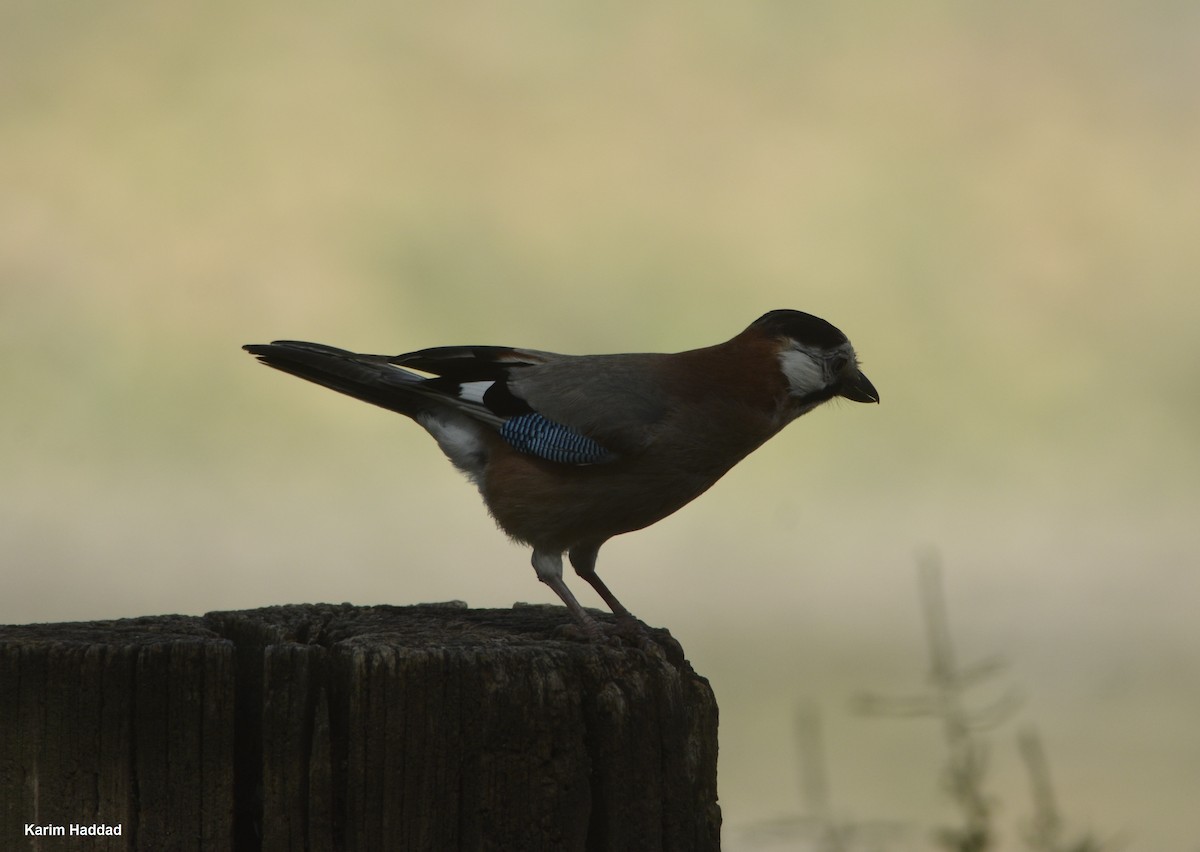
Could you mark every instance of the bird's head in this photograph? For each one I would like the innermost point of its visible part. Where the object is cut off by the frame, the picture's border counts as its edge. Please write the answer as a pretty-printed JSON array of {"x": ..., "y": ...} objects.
[{"x": 815, "y": 357}]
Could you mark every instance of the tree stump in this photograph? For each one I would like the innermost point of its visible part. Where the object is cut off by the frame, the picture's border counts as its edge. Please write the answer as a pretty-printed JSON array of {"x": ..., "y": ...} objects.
[{"x": 324, "y": 727}]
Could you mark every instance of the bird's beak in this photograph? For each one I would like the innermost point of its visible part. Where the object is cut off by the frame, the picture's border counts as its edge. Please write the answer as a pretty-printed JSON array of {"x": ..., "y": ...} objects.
[{"x": 859, "y": 389}]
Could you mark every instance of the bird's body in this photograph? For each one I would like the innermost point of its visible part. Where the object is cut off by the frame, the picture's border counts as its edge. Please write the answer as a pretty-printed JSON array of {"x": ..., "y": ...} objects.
[{"x": 571, "y": 450}]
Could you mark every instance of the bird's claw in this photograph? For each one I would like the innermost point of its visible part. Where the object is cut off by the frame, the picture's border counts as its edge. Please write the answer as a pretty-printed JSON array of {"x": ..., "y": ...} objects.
[{"x": 625, "y": 632}]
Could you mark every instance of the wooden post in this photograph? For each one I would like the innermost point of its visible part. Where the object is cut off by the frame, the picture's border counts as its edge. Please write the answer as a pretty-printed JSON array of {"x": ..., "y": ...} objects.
[{"x": 323, "y": 727}]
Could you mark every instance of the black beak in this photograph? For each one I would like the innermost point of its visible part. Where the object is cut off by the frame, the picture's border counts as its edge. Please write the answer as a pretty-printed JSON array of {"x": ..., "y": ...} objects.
[{"x": 859, "y": 389}]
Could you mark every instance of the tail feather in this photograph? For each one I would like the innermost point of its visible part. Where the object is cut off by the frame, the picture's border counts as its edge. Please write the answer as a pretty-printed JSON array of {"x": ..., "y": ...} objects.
[{"x": 369, "y": 378}]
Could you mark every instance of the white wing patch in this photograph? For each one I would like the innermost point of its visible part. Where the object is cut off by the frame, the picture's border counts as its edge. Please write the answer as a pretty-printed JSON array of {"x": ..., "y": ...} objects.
[{"x": 473, "y": 391}]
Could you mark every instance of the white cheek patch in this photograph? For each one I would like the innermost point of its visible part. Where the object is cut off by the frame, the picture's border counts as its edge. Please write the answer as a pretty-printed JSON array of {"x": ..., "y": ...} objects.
[
  {"x": 804, "y": 373},
  {"x": 473, "y": 391}
]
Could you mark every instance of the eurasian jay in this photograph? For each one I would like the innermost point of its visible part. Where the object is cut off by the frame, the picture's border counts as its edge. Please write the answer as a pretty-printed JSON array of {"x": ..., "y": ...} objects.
[{"x": 571, "y": 450}]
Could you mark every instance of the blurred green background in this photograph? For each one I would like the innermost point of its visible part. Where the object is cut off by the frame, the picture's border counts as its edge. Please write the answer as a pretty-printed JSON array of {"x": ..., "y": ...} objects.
[{"x": 998, "y": 203}]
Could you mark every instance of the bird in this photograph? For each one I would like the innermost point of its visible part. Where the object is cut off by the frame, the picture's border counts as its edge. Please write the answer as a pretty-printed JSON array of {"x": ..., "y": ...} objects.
[{"x": 569, "y": 451}]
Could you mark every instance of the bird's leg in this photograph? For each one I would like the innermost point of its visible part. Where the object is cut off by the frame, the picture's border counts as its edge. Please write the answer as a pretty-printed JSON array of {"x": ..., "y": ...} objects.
[
  {"x": 583, "y": 559},
  {"x": 549, "y": 570}
]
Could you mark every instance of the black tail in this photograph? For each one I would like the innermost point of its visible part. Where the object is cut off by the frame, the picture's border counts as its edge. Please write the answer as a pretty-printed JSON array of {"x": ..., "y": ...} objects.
[{"x": 366, "y": 377}]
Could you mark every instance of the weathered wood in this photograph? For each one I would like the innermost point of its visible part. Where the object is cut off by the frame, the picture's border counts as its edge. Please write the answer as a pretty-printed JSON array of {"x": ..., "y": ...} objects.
[
  {"x": 121, "y": 723},
  {"x": 338, "y": 727}
]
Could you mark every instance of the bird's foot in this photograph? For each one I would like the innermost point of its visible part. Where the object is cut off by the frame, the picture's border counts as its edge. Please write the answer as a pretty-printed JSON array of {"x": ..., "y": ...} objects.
[
  {"x": 625, "y": 632},
  {"x": 587, "y": 631},
  {"x": 630, "y": 631}
]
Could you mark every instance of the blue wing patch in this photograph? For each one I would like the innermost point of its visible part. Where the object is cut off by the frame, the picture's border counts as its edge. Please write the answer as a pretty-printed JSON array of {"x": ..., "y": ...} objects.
[{"x": 537, "y": 436}]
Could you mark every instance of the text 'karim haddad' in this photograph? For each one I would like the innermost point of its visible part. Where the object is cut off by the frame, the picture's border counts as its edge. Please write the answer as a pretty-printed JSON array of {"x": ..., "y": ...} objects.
[{"x": 94, "y": 830}]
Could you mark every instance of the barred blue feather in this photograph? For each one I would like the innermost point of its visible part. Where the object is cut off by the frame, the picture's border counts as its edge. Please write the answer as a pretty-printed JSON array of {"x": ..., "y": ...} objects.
[{"x": 537, "y": 436}]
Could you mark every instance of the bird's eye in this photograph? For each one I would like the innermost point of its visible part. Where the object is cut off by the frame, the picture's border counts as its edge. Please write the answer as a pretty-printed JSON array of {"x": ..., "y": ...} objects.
[{"x": 838, "y": 363}]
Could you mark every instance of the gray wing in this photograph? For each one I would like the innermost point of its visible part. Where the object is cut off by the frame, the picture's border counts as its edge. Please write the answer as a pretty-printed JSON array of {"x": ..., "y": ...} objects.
[
  {"x": 616, "y": 400},
  {"x": 611, "y": 400}
]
